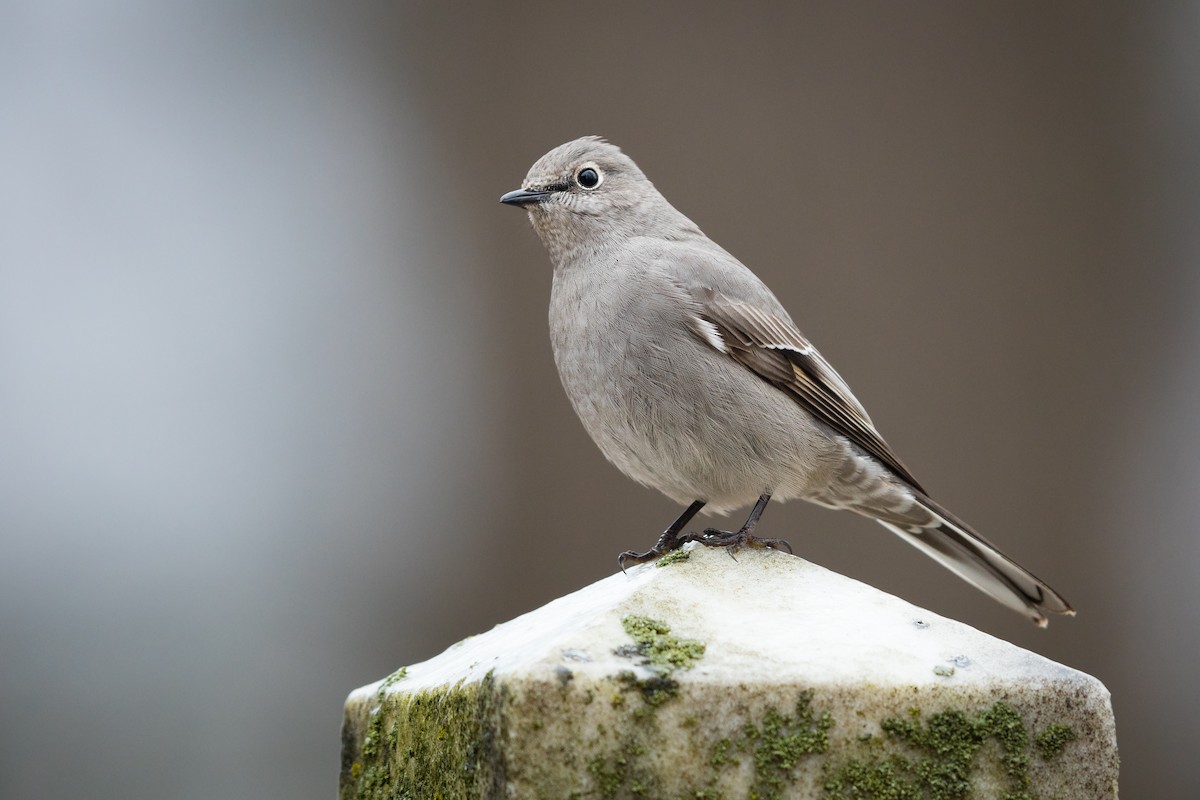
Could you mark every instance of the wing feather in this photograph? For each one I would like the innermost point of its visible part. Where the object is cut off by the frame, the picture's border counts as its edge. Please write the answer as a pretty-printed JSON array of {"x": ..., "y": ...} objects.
[{"x": 773, "y": 348}]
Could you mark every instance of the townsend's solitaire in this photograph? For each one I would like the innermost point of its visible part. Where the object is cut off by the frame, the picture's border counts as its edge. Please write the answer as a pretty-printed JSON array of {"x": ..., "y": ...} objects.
[{"x": 692, "y": 378}]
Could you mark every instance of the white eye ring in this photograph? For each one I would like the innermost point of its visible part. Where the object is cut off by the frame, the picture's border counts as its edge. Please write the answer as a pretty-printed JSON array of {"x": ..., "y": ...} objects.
[{"x": 589, "y": 177}]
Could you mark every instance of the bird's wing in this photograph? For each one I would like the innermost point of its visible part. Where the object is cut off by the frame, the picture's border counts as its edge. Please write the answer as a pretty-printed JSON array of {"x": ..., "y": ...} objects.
[{"x": 770, "y": 346}]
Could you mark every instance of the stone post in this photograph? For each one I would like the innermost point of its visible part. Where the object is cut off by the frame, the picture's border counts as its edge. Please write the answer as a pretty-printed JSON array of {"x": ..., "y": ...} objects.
[{"x": 706, "y": 678}]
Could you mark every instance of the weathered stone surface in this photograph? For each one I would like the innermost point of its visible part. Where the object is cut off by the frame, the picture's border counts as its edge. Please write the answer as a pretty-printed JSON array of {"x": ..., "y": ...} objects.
[{"x": 705, "y": 678}]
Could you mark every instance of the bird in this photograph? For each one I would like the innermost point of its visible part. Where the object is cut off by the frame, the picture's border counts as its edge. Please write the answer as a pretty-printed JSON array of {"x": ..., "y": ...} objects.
[{"x": 692, "y": 379}]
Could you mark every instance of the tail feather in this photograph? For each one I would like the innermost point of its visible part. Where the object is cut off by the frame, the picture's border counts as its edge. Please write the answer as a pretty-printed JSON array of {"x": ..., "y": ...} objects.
[{"x": 973, "y": 558}]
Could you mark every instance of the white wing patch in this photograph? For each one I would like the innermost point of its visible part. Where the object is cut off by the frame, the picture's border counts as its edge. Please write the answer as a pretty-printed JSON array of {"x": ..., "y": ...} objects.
[
  {"x": 709, "y": 333},
  {"x": 804, "y": 351}
]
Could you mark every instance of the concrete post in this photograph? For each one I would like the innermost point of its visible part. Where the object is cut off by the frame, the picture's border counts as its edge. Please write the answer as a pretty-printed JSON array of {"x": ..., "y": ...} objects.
[{"x": 702, "y": 677}]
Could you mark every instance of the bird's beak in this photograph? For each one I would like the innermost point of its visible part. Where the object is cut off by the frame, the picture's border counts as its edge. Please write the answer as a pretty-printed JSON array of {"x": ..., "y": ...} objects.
[{"x": 524, "y": 197}]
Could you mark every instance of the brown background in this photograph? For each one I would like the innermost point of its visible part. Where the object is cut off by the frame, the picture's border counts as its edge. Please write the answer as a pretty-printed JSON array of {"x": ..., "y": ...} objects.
[{"x": 279, "y": 410}]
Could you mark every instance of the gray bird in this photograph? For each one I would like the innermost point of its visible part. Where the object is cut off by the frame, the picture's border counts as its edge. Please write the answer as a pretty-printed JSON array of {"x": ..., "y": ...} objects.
[{"x": 692, "y": 378}]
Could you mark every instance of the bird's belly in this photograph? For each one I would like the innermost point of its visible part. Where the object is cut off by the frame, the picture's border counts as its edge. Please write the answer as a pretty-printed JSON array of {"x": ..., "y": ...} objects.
[{"x": 692, "y": 423}]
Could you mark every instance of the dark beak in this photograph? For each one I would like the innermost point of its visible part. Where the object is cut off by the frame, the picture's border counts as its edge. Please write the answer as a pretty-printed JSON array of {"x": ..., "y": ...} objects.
[{"x": 523, "y": 197}]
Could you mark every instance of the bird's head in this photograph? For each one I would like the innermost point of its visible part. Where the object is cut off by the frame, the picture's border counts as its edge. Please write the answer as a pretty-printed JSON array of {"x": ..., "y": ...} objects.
[{"x": 586, "y": 191}]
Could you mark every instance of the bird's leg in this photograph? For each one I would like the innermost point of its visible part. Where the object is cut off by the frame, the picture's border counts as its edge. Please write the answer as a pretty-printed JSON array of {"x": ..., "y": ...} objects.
[
  {"x": 670, "y": 539},
  {"x": 733, "y": 541}
]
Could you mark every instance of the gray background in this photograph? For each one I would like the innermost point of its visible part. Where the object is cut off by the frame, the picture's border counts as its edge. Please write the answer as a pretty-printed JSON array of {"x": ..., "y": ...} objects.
[{"x": 277, "y": 406}]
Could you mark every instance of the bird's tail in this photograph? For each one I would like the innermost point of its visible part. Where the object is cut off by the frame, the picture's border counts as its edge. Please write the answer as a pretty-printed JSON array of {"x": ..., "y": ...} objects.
[{"x": 959, "y": 548}]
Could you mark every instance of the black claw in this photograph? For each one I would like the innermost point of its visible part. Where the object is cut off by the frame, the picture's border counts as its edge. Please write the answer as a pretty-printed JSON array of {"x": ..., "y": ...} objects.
[
  {"x": 734, "y": 541},
  {"x": 670, "y": 539},
  {"x": 634, "y": 557}
]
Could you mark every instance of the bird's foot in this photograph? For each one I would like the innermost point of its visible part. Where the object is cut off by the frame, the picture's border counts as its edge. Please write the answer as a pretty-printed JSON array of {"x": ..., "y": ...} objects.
[
  {"x": 733, "y": 541},
  {"x": 670, "y": 540}
]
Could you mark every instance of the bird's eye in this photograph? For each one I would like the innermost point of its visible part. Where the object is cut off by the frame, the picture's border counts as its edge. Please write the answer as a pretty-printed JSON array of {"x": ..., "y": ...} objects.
[{"x": 588, "y": 177}]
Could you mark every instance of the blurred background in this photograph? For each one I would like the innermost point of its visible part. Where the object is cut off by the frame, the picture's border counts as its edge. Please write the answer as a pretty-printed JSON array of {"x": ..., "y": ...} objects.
[{"x": 278, "y": 412}]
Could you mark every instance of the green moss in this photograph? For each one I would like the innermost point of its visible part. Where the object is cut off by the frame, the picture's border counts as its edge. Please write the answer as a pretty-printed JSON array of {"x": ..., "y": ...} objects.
[
  {"x": 673, "y": 557},
  {"x": 780, "y": 741},
  {"x": 623, "y": 770},
  {"x": 1004, "y": 724},
  {"x": 665, "y": 653},
  {"x": 919, "y": 757},
  {"x": 719, "y": 754},
  {"x": 393, "y": 679},
  {"x": 873, "y": 780},
  {"x": 428, "y": 744},
  {"x": 1050, "y": 742},
  {"x": 945, "y": 748},
  {"x": 620, "y": 769},
  {"x": 608, "y": 780}
]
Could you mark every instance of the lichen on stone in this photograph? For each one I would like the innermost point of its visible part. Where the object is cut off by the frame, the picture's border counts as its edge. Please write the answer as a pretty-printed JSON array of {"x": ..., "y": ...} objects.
[
  {"x": 429, "y": 744},
  {"x": 663, "y": 652},
  {"x": 620, "y": 767},
  {"x": 873, "y": 779},
  {"x": 944, "y": 749},
  {"x": 1050, "y": 742},
  {"x": 393, "y": 679},
  {"x": 673, "y": 557},
  {"x": 777, "y": 744}
]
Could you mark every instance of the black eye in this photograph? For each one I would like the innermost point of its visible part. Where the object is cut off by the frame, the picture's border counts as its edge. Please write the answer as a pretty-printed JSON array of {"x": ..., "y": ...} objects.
[{"x": 588, "y": 178}]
